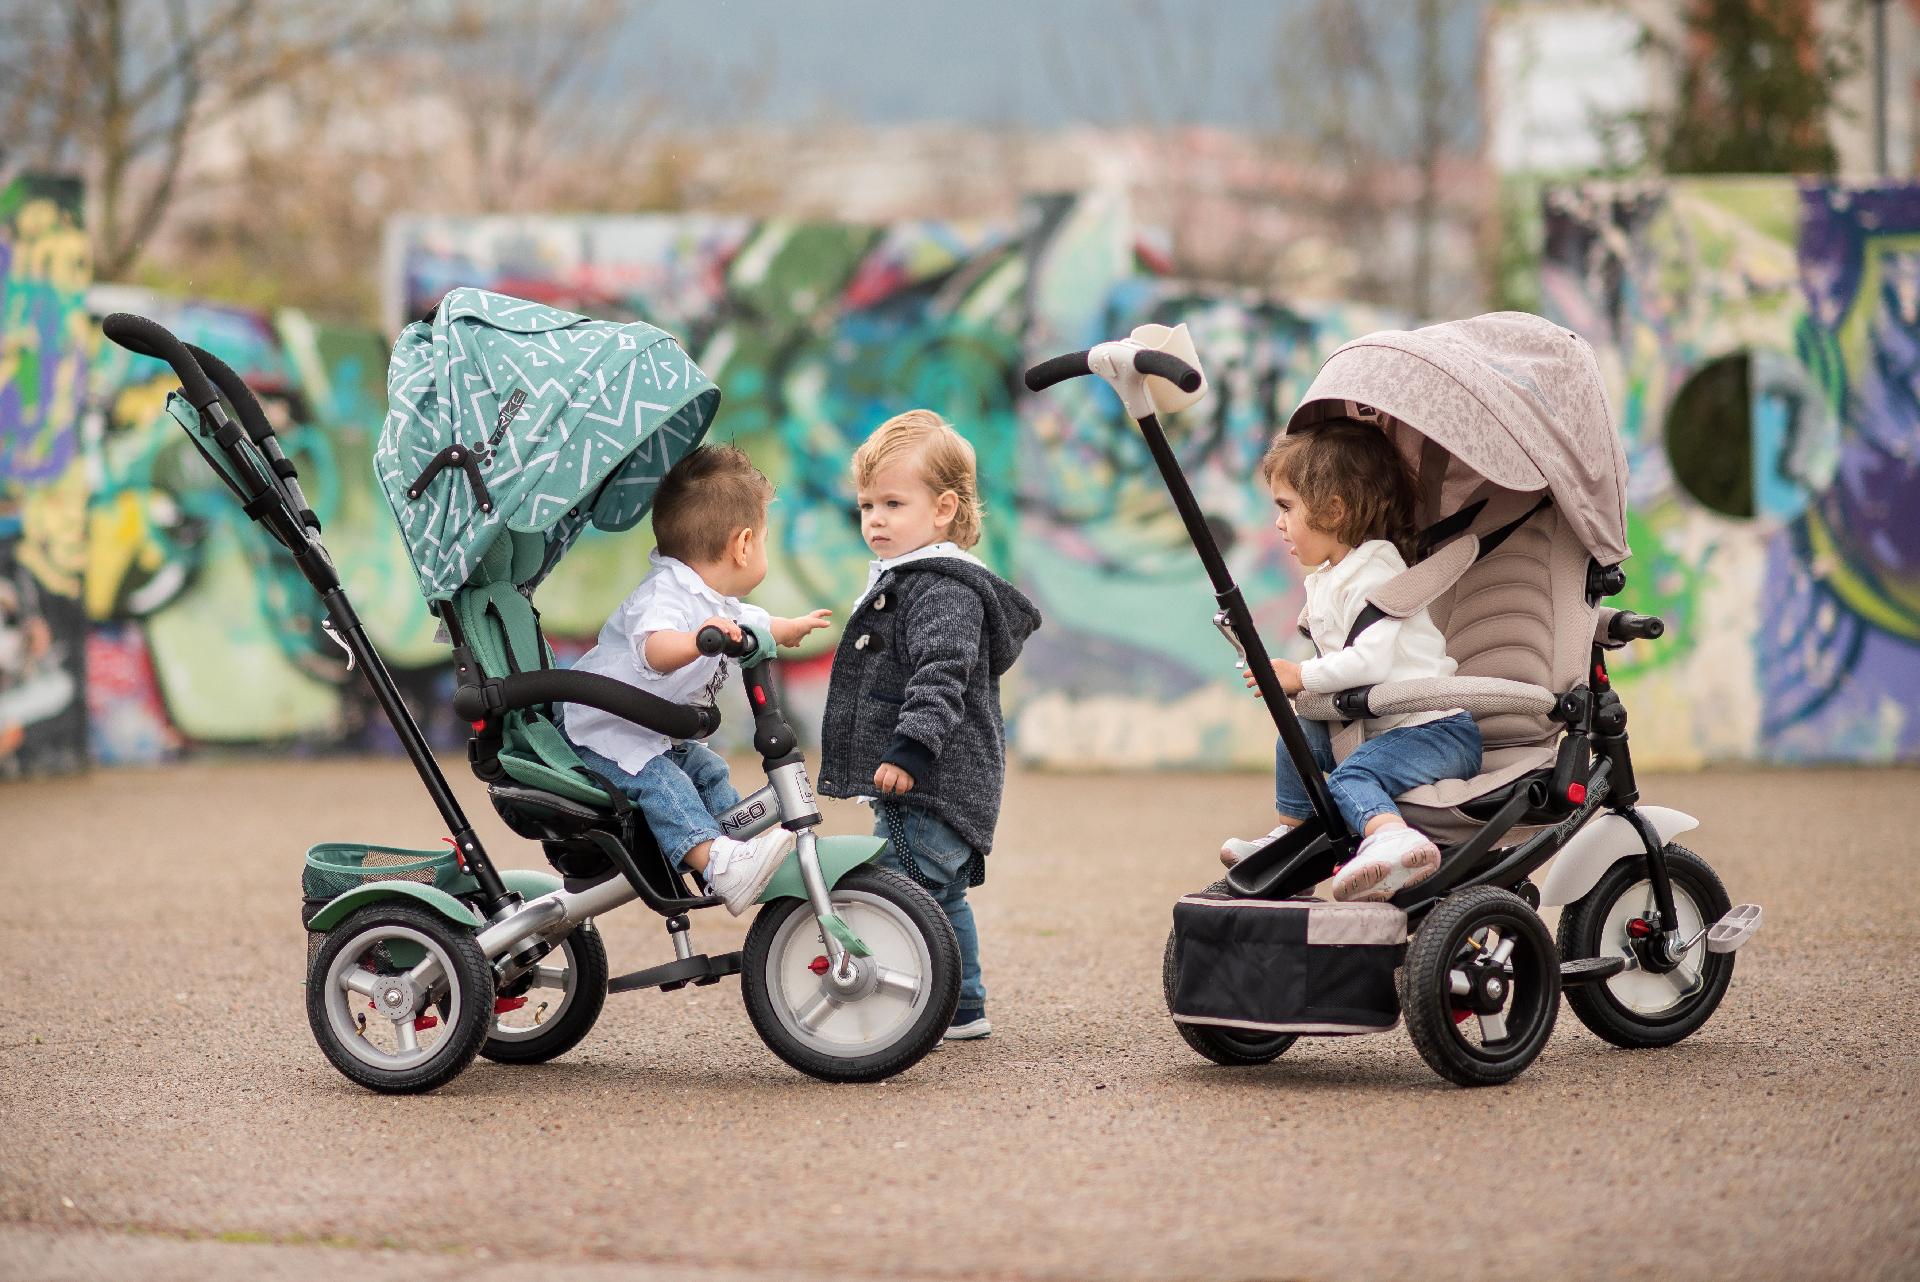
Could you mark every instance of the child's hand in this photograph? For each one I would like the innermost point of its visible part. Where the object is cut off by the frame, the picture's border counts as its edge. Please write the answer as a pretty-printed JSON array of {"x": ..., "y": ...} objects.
[
  {"x": 794, "y": 631},
  {"x": 727, "y": 626},
  {"x": 1288, "y": 673},
  {"x": 891, "y": 780}
]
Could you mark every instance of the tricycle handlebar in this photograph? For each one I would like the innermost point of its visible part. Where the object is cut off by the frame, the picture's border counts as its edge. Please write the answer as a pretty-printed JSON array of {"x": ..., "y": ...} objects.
[{"x": 1075, "y": 364}]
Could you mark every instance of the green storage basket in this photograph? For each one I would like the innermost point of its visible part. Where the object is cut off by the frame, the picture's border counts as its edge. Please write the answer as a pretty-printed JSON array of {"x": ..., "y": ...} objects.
[{"x": 335, "y": 867}]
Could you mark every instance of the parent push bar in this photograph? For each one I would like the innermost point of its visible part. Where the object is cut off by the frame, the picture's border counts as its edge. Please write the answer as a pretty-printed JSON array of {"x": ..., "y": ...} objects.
[{"x": 1127, "y": 365}]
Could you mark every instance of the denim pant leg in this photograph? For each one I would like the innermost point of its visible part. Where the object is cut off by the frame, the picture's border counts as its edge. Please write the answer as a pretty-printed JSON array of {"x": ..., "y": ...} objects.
[
  {"x": 1398, "y": 761},
  {"x": 672, "y": 805},
  {"x": 1290, "y": 795},
  {"x": 943, "y": 858},
  {"x": 711, "y": 778}
]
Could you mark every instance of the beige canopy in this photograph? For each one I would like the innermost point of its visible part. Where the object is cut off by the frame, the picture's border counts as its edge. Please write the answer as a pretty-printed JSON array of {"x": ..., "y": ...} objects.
[{"x": 1508, "y": 397}]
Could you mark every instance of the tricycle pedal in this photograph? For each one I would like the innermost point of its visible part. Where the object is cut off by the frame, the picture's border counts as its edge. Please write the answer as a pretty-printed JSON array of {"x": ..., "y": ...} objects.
[
  {"x": 675, "y": 975},
  {"x": 1735, "y": 929},
  {"x": 1590, "y": 970}
]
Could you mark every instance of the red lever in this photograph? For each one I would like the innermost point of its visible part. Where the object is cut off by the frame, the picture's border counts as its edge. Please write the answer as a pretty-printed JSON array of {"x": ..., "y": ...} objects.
[{"x": 1576, "y": 793}]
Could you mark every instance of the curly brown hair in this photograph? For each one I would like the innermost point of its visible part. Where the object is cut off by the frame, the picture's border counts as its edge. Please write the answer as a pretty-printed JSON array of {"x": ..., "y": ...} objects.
[{"x": 1353, "y": 480}]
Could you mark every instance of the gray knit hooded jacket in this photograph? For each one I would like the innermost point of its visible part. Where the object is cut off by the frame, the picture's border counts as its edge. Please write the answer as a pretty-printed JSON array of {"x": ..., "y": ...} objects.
[{"x": 916, "y": 682}]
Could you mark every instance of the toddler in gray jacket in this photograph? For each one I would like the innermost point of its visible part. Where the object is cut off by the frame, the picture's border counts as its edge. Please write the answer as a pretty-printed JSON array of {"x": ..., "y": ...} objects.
[{"x": 913, "y": 707}]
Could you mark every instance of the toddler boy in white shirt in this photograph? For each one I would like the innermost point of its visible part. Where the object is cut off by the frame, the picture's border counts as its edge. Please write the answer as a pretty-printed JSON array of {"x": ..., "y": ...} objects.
[{"x": 709, "y": 525}]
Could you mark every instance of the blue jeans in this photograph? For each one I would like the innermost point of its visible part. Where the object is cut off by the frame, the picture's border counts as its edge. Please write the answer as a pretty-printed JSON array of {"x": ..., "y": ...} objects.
[
  {"x": 943, "y": 858},
  {"x": 1365, "y": 784},
  {"x": 680, "y": 791}
]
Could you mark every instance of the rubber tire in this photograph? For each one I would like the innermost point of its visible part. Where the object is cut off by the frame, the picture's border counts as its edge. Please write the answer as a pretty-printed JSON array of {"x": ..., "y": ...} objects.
[
  {"x": 1580, "y": 926},
  {"x": 471, "y": 972},
  {"x": 589, "y": 963},
  {"x": 1223, "y": 1046},
  {"x": 1428, "y": 1007},
  {"x": 943, "y": 952}
]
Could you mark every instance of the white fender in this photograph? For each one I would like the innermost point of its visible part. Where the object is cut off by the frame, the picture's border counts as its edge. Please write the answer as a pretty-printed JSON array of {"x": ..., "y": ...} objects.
[{"x": 1595, "y": 848}]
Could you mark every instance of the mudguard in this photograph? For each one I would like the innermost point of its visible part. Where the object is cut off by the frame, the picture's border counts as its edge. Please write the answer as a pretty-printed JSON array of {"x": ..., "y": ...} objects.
[
  {"x": 375, "y": 891},
  {"x": 1595, "y": 848},
  {"x": 838, "y": 857},
  {"x": 529, "y": 883}
]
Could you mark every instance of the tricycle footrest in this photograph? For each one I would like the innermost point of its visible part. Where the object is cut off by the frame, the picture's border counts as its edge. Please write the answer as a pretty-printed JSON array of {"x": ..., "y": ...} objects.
[
  {"x": 1590, "y": 970},
  {"x": 1735, "y": 929},
  {"x": 697, "y": 969}
]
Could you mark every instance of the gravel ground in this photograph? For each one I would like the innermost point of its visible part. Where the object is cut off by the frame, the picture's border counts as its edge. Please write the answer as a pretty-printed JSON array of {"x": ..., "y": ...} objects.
[{"x": 165, "y": 1113}]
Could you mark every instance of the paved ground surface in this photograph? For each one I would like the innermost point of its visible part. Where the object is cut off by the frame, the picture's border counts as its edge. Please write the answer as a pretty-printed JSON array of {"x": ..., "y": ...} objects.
[{"x": 164, "y": 1112}]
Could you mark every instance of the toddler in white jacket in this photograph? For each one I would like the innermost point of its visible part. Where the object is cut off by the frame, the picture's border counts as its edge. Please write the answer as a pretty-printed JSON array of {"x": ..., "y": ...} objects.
[{"x": 1346, "y": 498}]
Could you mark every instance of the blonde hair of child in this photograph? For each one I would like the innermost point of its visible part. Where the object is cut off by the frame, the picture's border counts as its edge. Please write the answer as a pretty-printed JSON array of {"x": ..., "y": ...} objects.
[{"x": 943, "y": 457}]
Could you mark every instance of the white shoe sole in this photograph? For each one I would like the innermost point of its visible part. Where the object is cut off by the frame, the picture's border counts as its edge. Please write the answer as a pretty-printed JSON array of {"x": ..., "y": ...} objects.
[
  {"x": 1381, "y": 879},
  {"x": 972, "y": 1030}
]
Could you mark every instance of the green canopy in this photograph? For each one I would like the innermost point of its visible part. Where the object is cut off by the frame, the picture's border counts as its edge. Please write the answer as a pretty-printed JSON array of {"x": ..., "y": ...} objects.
[{"x": 507, "y": 417}]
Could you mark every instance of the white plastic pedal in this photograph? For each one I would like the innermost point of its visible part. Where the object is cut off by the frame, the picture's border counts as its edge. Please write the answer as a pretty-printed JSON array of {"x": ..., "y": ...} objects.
[{"x": 1735, "y": 929}]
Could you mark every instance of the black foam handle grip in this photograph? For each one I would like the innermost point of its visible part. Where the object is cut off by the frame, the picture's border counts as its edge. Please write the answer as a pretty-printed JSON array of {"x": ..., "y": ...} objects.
[
  {"x": 558, "y": 685},
  {"x": 1172, "y": 368},
  {"x": 1625, "y": 625},
  {"x": 238, "y": 394},
  {"x": 711, "y": 640},
  {"x": 1057, "y": 369},
  {"x": 150, "y": 338}
]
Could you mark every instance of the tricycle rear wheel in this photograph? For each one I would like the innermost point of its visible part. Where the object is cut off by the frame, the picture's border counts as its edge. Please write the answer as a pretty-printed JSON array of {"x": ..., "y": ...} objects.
[
  {"x": 571, "y": 982},
  {"x": 1492, "y": 940},
  {"x": 378, "y": 1027}
]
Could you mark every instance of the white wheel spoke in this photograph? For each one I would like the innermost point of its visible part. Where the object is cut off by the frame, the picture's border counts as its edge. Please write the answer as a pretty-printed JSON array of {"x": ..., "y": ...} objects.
[
  {"x": 1493, "y": 1028},
  {"x": 403, "y": 1031},
  {"x": 360, "y": 980},
  {"x": 899, "y": 983},
  {"x": 816, "y": 1011}
]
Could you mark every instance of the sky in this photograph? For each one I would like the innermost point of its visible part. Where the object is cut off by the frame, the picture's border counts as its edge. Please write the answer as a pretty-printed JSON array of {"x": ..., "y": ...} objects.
[{"x": 1033, "y": 63}]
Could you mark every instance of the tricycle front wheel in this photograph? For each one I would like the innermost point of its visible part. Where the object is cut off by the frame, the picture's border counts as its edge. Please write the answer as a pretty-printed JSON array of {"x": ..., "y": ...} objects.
[
  {"x": 898, "y": 1005},
  {"x": 385, "y": 1020}
]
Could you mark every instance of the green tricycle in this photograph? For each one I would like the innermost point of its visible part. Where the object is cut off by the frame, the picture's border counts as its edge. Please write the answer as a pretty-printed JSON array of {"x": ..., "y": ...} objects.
[{"x": 512, "y": 426}]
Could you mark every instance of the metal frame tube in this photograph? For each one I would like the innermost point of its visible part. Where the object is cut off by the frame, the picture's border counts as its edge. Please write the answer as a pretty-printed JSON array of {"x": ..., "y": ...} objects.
[{"x": 1234, "y": 605}]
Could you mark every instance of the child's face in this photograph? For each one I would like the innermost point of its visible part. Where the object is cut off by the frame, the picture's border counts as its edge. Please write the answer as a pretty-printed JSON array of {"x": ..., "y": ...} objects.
[
  {"x": 900, "y": 513},
  {"x": 1310, "y": 547}
]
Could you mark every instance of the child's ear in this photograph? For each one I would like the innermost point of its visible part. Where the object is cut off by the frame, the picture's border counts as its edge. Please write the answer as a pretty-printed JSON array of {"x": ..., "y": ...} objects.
[
  {"x": 946, "y": 507},
  {"x": 743, "y": 544},
  {"x": 1335, "y": 513}
]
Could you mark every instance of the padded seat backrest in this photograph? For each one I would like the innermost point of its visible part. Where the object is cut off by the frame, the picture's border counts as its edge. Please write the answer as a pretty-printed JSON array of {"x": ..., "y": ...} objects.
[
  {"x": 1521, "y": 613},
  {"x": 502, "y": 631}
]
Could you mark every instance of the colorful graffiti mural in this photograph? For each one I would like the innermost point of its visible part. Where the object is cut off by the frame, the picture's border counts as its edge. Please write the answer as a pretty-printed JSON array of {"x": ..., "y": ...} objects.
[
  {"x": 45, "y": 339},
  {"x": 204, "y": 633},
  {"x": 1794, "y": 587},
  {"x": 817, "y": 332},
  {"x": 141, "y": 611}
]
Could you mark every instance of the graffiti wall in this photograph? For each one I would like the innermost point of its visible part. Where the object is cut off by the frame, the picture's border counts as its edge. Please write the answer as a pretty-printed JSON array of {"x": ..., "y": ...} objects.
[
  {"x": 45, "y": 338},
  {"x": 818, "y": 332},
  {"x": 1761, "y": 339}
]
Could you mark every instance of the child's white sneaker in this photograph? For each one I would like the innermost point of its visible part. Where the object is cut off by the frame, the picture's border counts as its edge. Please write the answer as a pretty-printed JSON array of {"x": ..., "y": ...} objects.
[
  {"x": 738, "y": 871},
  {"x": 1234, "y": 849},
  {"x": 1386, "y": 864}
]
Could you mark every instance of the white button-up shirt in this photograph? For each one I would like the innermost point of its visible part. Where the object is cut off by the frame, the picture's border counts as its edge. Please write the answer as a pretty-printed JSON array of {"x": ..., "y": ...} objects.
[
  {"x": 1391, "y": 650},
  {"x": 672, "y": 598}
]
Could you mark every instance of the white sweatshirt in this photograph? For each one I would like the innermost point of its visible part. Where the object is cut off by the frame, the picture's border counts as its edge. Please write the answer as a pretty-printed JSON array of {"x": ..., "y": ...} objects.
[{"x": 1391, "y": 650}]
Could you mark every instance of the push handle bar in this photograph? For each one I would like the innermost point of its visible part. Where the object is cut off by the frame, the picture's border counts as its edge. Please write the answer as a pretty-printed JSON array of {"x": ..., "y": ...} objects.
[
  {"x": 711, "y": 640},
  {"x": 1625, "y": 625},
  {"x": 558, "y": 685},
  {"x": 150, "y": 338},
  {"x": 1059, "y": 369},
  {"x": 254, "y": 419}
]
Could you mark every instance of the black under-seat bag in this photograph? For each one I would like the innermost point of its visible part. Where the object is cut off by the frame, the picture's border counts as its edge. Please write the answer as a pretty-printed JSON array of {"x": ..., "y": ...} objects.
[{"x": 1287, "y": 965}]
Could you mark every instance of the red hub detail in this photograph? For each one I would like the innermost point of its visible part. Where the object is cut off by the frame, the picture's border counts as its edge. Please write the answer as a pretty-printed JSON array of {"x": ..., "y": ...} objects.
[
  {"x": 1638, "y": 928},
  {"x": 819, "y": 964},
  {"x": 424, "y": 1022},
  {"x": 1460, "y": 1014},
  {"x": 501, "y": 1005}
]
